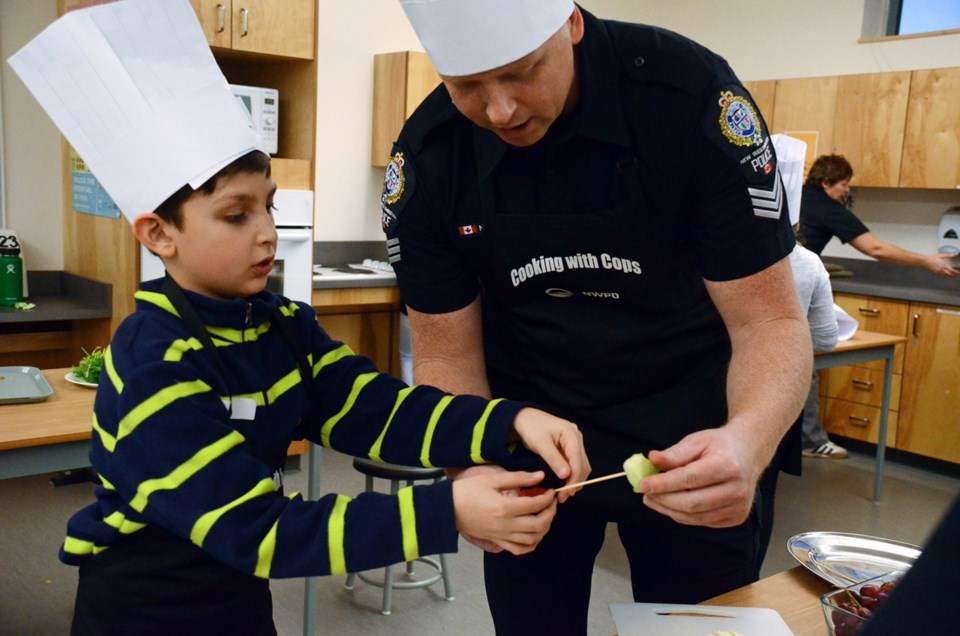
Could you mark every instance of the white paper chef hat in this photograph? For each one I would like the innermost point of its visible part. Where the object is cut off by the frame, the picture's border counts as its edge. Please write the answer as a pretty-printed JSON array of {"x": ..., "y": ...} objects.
[
  {"x": 134, "y": 88},
  {"x": 790, "y": 155},
  {"x": 463, "y": 37}
]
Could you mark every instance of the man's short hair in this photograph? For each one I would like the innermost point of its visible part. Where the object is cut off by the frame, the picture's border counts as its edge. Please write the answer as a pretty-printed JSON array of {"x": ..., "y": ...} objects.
[{"x": 171, "y": 210}]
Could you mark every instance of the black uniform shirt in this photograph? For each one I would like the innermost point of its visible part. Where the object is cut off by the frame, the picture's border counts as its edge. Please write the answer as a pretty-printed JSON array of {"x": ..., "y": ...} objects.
[
  {"x": 645, "y": 93},
  {"x": 822, "y": 218}
]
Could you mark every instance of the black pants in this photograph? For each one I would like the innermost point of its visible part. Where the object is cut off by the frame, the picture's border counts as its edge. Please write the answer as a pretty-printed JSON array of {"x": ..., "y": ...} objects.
[
  {"x": 153, "y": 582},
  {"x": 548, "y": 590}
]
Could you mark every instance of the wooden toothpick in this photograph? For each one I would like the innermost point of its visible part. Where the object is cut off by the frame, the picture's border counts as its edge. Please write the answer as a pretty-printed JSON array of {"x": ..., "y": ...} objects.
[{"x": 590, "y": 481}]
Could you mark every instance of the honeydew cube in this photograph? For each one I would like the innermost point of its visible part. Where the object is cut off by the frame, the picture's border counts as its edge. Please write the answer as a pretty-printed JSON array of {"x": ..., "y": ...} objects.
[{"x": 637, "y": 467}]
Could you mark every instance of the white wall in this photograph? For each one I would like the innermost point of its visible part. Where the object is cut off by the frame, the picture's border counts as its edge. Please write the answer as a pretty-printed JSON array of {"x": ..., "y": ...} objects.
[
  {"x": 31, "y": 144},
  {"x": 820, "y": 39}
]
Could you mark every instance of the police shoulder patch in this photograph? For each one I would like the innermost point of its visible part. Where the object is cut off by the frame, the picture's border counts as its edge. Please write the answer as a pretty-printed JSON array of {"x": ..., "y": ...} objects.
[
  {"x": 398, "y": 183},
  {"x": 736, "y": 126}
]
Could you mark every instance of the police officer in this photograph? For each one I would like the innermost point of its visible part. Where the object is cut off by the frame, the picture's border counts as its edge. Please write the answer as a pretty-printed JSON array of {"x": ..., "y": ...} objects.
[{"x": 588, "y": 215}]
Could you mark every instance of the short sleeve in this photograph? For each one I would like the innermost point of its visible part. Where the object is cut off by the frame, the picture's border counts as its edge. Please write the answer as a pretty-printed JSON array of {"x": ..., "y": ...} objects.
[{"x": 740, "y": 218}]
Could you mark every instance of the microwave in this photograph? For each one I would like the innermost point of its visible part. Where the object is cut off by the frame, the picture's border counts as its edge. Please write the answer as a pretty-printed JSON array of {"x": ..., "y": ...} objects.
[{"x": 263, "y": 105}]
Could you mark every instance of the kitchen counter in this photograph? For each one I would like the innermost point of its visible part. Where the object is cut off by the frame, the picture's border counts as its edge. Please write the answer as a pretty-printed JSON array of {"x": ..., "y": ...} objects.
[
  {"x": 60, "y": 296},
  {"x": 885, "y": 280},
  {"x": 347, "y": 276}
]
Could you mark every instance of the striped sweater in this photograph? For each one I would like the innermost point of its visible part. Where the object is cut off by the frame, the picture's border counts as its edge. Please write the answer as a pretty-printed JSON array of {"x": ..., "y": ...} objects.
[{"x": 170, "y": 454}]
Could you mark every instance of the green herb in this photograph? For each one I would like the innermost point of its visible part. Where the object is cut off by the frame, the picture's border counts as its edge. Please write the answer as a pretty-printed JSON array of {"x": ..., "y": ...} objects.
[
  {"x": 23, "y": 306},
  {"x": 88, "y": 369}
]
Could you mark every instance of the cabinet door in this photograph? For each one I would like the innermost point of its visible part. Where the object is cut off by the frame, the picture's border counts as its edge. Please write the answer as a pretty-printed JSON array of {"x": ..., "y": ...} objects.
[
  {"x": 930, "y": 403},
  {"x": 807, "y": 105},
  {"x": 931, "y": 145},
  {"x": 868, "y": 125},
  {"x": 879, "y": 315},
  {"x": 401, "y": 81},
  {"x": 215, "y": 17},
  {"x": 275, "y": 27},
  {"x": 764, "y": 93}
]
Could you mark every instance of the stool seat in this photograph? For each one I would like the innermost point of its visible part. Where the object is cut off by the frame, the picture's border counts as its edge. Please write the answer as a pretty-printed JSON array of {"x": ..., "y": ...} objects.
[
  {"x": 384, "y": 470},
  {"x": 395, "y": 474}
]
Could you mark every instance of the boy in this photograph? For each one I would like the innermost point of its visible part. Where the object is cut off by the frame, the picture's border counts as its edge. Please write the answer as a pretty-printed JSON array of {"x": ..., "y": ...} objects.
[{"x": 206, "y": 384}]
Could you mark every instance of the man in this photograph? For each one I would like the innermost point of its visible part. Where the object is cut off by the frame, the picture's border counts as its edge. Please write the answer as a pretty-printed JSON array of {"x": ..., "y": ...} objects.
[{"x": 606, "y": 197}]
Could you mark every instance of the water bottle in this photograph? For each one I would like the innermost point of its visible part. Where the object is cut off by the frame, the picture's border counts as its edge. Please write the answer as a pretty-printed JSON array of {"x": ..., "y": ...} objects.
[{"x": 11, "y": 276}]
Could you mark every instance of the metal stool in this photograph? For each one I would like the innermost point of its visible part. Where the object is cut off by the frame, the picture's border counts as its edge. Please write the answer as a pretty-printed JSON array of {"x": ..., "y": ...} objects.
[{"x": 396, "y": 473}]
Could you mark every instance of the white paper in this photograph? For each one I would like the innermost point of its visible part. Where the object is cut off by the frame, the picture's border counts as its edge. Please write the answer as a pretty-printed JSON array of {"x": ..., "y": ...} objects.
[
  {"x": 790, "y": 155},
  {"x": 134, "y": 88},
  {"x": 847, "y": 325}
]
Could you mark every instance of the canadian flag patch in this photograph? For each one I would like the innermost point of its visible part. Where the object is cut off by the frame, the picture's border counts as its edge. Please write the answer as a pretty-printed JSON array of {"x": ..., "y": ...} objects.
[{"x": 467, "y": 230}]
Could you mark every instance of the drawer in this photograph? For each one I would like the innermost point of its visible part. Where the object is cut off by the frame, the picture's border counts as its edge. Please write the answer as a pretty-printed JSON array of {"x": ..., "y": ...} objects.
[
  {"x": 882, "y": 316},
  {"x": 860, "y": 385},
  {"x": 857, "y": 421}
]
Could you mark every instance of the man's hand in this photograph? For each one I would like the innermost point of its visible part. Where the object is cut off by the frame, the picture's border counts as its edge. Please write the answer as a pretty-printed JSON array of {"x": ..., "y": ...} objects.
[
  {"x": 708, "y": 479},
  {"x": 558, "y": 441},
  {"x": 486, "y": 517}
]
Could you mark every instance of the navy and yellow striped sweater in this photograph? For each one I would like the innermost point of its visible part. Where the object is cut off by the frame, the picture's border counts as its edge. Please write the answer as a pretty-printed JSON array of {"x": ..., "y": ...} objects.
[{"x": 169, "y": 453}]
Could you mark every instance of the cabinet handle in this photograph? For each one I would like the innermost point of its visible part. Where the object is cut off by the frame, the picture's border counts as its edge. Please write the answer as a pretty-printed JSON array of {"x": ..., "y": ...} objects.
[
  {"x": 916, "y": 324},
  {"x": 221, "y": 18},
  {"x": 869, "y": 311},
  {"x": 859, "y": 421},
  {"x": 862, "y": 384},
  {"x": 246, "y": 22}
]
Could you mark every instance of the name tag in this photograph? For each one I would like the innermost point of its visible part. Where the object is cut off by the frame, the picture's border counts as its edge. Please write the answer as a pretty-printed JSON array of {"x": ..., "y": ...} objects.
[{"x": 242, "y": 408}]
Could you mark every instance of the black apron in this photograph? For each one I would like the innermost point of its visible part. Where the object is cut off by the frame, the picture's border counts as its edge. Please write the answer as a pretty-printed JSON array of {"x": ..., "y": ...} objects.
[{"x": 624, "y": 340}]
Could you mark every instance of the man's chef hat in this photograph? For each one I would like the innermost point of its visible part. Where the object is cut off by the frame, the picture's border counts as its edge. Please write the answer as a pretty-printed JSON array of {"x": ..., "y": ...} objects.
[
  {"x": 463, "y": 37},
  {"x": 134, "y": 88}
]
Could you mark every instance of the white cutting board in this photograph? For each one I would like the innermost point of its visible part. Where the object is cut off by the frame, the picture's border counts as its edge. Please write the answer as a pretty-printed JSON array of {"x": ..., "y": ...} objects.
[{"x": 664, "y": 619}]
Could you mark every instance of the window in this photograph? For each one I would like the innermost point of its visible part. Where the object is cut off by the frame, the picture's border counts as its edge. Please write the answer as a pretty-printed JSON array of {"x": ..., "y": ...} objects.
[
  {"x": 922, "y": 16},
  {"x": 882, "y": 18}
]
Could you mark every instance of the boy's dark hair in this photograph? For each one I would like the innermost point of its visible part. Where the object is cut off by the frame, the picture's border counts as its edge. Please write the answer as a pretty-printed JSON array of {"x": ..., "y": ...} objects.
[
  {"x": 171, "y": 209},
  {"x": 829, "y": 169}
]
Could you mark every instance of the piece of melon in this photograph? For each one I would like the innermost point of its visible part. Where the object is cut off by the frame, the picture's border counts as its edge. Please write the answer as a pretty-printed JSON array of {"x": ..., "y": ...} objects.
[{"x": 637, "y": 467}]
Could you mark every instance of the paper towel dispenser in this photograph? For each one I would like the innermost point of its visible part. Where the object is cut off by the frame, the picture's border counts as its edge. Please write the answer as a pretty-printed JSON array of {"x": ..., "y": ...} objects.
[{"x": 949, "y": 233}]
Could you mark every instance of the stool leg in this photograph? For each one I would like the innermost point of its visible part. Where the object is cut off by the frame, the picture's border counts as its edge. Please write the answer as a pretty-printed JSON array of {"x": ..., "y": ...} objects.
[
  {"x": 350, "y": 579},
  {"x": 445, "y": 573},
  {"x": 388, "y": 571}
]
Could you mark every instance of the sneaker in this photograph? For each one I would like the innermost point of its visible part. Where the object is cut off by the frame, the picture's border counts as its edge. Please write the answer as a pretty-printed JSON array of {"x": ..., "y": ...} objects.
[{"x": 828, "y": 450}]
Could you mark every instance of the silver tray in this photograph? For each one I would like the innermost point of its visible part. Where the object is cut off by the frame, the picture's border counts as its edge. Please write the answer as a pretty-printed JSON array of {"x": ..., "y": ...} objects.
[
  {"x": 23, "y": 384},
  {"x": 843, "y": 559}
]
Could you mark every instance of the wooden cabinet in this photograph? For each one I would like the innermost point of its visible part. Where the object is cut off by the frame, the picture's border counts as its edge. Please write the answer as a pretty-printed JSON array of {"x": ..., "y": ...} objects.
[
  {"x": 925, "y": 394},
  {"x": 764, "y": 93},
  {"x": 365, "y": 319},
  {"x": 931, "y": 145},
  {"x": 851, "y": 396},
  {"x": 868, "y": 125},
  {"x": 930, "y": 403},
  {"x": 400, "y": 82},
  {"x": 859, "y": 116},
  {"x": 266, "y": 27}
]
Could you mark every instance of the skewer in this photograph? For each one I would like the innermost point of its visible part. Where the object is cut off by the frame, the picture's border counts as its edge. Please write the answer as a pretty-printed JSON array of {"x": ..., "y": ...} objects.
[{"x": 590, "y": 481}]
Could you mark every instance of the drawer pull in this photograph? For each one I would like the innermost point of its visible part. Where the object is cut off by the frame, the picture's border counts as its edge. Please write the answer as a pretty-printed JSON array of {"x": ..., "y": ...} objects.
[
  {"x": 862, "y": 384},
  {"x": 869, "y": 311},
  {"x": 221, "y": 18},
  {"x": 859, "y": 421}
]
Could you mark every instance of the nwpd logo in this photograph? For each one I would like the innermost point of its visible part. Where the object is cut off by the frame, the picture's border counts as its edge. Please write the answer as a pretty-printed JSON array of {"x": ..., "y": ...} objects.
[{"x": 739, "y": 122}]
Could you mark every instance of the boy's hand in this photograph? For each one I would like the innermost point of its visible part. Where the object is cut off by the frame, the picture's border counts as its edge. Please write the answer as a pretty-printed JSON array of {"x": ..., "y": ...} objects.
[
  {"x": 558, "y": 441},
  {"x": 486, "y": 513}
]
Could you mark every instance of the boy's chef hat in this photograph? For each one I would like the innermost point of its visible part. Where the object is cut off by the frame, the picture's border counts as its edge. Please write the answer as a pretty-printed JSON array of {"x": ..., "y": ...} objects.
[
  {"x": 134, "y": 88},
  {"x": 463, "y": 37}
]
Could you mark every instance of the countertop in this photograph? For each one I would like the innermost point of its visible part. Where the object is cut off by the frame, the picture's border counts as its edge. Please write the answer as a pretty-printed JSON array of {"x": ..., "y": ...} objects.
[
  {"x": 884, "y": 280},
  {"x": 61, "y": 296}
]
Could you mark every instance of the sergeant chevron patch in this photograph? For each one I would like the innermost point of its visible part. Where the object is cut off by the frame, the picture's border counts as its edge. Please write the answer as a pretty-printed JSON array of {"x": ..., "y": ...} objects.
[{"x": 768, "y": 202}]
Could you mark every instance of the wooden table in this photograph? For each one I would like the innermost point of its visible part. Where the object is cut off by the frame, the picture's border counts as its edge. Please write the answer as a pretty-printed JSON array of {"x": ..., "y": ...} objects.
[
  {"x": 866, "y": 346},
  {"x": 48, "y": 436},
  {"x": 795, "y": 594}
]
